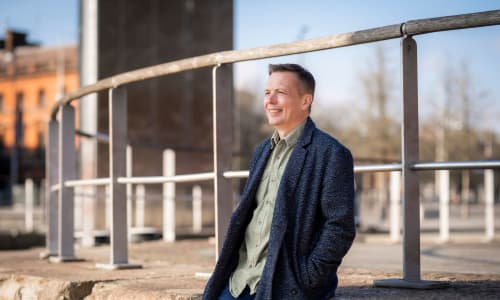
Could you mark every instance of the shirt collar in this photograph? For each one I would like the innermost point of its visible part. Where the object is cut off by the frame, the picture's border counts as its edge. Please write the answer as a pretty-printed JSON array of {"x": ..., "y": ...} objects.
[{"x": 292, "y": 137}]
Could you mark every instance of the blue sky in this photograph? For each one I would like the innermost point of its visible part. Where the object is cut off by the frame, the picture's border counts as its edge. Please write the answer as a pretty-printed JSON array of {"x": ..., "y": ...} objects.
[{"x": 260, "y": 23}]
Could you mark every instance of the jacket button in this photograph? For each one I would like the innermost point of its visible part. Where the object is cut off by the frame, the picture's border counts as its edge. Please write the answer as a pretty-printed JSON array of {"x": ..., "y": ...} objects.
[{"x": 293, "y": 291}]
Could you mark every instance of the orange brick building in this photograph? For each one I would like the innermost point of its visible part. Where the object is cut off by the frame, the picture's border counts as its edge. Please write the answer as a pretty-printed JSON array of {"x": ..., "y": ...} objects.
[{"x": 31, "y": 79}]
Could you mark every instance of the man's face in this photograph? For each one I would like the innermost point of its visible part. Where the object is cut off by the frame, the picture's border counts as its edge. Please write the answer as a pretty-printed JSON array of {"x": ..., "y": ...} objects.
[{"x": 285, "y": 102}]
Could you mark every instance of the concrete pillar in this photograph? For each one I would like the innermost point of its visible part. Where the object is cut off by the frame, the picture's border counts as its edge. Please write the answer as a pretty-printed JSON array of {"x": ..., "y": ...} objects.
[{"x": 88, "y": 114}]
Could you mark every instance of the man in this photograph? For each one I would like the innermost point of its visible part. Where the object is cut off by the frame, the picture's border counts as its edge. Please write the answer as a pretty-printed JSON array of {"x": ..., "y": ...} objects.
[{"x": 294, "y": 222}]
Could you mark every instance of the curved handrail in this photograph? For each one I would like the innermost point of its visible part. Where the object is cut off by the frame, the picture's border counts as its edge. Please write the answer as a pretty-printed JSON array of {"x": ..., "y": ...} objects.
[{"x": 414, "y": 27}]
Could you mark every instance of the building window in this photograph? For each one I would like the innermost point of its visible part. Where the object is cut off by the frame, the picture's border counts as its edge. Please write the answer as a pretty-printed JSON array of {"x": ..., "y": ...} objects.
[
  {"x": 41, "y": 98},
  {"x": 19, "y": 101}
]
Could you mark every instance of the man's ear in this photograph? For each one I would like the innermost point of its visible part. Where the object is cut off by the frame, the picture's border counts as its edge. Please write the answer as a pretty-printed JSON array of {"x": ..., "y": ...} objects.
[{"x": 307, "y": 100}]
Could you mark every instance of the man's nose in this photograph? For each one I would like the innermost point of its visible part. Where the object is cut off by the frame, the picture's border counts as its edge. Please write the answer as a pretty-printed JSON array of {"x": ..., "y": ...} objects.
[{"x": 271, "y": 98}]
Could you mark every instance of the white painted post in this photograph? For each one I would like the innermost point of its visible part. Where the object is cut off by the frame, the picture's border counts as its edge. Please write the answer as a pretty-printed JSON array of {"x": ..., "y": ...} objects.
[
  {"x": 197, "y": 209},
  {"x": 107, "y": 208},
  {"x": 489, "y": 202},
  {"x": 89, "y": 209},
  {"x": 140, "y": 197},
  {"x": 444, "y": 205},
  {"x": 28, "y": 204},
  {"x": 395, "y": 198},
  {"x": 169, "y": 196},
  {"x": 78, "y": 210},
  {"x": 129, "y": 188}
]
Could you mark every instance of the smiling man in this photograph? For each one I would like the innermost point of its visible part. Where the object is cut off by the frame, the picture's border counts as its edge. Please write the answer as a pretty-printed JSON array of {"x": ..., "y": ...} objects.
[{"x": 295, "y": 219}]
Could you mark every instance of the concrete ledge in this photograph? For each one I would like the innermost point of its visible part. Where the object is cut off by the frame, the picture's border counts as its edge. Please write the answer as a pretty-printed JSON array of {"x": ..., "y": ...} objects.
[
  {"x": 411, "y": 284},
  {"x": 30, "y": 287},
  {"x": 172, "y": 271}
]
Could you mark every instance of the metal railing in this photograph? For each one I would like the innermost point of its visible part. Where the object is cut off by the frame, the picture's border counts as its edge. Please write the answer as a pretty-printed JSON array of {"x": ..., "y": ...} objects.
[{"x": 61, "y": 176}]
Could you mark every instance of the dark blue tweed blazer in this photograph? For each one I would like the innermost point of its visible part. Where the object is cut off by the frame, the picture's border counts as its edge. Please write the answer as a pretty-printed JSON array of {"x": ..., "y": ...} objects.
[{"x": 313, "y": 222}]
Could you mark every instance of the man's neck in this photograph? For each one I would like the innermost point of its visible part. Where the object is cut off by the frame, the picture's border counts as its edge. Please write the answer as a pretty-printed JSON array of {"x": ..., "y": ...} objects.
[{"x": 284, "y": 132}]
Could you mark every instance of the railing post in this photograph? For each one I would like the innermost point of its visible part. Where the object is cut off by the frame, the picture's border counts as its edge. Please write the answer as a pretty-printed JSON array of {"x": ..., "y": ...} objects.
[
  {"x": 140, "y": 197},
  {"x": 67, "y": 171},
  {"x": 395, "y": 198},
  {"x": 169, "y": 196},
  {"x": 489, "y": 203},
  {"x": 197, "y": 209},
  {"x": 222, "y": 149},
  {"x": 129, "y": 162},
  {"x": 28, "y": 204},
  {"x": 444, "y": 205},
  {"x": 411, "y": 190},
  {"x": 117, "y": 192},
  {"x": 51, "y": 197}
]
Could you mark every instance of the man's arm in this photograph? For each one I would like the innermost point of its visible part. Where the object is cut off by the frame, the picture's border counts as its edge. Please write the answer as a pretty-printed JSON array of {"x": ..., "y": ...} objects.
[{"x": 338, "y": 232}]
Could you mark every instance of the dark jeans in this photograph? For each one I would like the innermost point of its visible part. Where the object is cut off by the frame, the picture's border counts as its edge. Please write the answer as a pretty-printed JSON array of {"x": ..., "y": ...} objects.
[{"x": 245, "y": 295}]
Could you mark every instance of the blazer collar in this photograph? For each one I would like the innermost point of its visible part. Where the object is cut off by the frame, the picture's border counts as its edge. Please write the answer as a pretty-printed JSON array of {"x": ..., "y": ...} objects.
[{"x": 306, "y": 137}]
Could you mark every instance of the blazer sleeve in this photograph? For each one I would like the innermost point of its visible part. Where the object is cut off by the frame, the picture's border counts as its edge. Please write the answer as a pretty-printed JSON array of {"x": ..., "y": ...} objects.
[{"x": 338, "y": 232}]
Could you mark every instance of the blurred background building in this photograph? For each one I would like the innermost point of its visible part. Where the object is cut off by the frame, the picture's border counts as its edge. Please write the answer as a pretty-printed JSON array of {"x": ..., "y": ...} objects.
[
  {"x": 358, "y": 97},
  {"x": 31, "y": 78}
]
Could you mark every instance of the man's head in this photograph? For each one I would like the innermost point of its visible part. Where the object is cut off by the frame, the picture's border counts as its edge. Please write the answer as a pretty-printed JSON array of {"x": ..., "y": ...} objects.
[{"x": 289, "y": 94}]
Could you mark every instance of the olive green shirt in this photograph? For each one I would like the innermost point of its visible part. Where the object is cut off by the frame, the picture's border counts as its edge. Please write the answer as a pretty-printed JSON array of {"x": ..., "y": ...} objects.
[{"x": 253, "y": 251}]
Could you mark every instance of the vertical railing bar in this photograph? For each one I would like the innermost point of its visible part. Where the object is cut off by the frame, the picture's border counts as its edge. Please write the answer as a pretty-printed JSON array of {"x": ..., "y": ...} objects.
[
  {"x": 410, "y": 154},
  {"x": 222, "y": 137},
  {"x": 218, "y": 231},
  {"x": 117, "y": 192},
  {"x": 67, "y": 171},
  {"x": 51, "y": 197},
  {"x": 410, "y": 178},
  {"x": 129, "y": 162}
]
